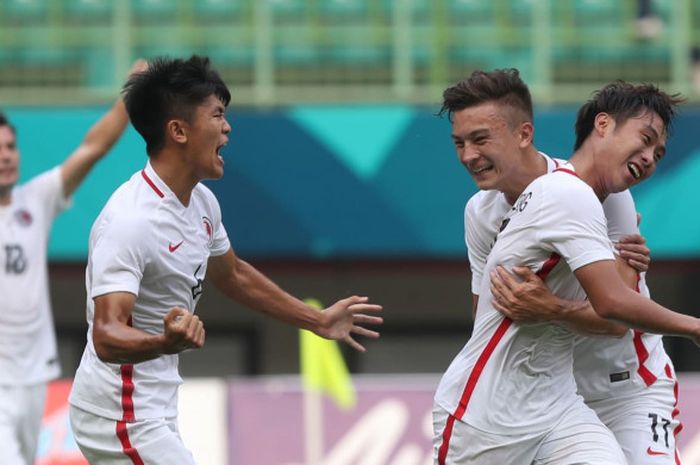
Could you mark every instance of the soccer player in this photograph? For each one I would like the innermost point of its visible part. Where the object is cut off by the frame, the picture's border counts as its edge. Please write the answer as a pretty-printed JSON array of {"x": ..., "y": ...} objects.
[
  {"x": 28, "y": 357},
  {"x": 512, "y": 385},
  {"x": 627, "y": 380},
  {"x": 151, "y": 247}
]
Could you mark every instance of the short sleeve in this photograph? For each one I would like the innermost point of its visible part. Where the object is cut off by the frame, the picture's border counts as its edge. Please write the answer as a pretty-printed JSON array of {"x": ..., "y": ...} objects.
[
  {"x": 621, "y": 215},
  {"x": 572, "y": 222},
  {"x": 478, "y": 243},
  {"x": 47, "y": 188},
  {"x": 118, "y": 257}
]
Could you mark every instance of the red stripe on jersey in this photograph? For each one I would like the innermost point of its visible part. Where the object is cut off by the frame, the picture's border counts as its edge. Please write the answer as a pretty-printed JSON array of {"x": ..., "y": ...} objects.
[
  {"x": 127, "y": 448},
  {"x": 469, "y": 388},
  {"x": 446, "y": 434},
  {"x": 480, "y": 365},
  {"x": 547, "y": 267},
  {"x": 150, "y": 183},
  {"x": 642, "y": 352},
  {"x": 566, "y": 170},
  {"x": 642, "y": 356},
  {"x": 676, "y": 411}
]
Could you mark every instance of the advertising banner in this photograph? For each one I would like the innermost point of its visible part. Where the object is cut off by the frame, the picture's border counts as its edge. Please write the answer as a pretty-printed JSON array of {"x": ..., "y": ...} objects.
[{"x": 267, "y": 421}]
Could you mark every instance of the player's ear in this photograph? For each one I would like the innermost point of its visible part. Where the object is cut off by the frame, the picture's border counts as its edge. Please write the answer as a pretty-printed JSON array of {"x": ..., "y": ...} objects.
[
  {"x": 526, "y": 133},
  {"x": 176, "y": 130},
  {"x": 602, "y": 123}
]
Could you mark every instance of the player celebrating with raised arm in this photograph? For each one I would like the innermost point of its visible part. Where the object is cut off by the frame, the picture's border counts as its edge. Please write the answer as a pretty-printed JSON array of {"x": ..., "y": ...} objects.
[
  {"x": 28, "y": 356},
  {"x": 502, "y": 368},
  {"x": 150, "y": 249}
]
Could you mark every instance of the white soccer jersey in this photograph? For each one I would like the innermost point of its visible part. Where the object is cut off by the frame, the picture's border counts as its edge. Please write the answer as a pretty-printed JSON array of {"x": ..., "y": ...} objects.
[
  {"x": 147, "y": 243},
  {"x": 483, "y": 216},
  {"x": 27, "y": 340},
  {"x": 516, "y": 379},
  {"x": 604, "y": 366},
  {"x": 608, "y": 366}
]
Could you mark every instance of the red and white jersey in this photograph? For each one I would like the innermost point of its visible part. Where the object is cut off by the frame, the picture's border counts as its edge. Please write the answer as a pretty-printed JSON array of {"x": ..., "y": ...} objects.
[
  {"x": 515, "y": 379},
  {"x": 145, "y": 242},
  {"x": 483, "y": 216},
  {"x": 607, "y": 366},
  {"x": 27, "y": 340},
  {"x": 604, "y": 366}
]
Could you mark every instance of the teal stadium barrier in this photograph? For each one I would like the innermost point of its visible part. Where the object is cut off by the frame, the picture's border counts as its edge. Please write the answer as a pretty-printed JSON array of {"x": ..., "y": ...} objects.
[{"x": 337, "y": 182}]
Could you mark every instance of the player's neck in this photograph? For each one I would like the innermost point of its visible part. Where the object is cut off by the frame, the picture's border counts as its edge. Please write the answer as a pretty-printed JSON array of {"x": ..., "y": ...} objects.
[
  {"x": 532, "y": 165},
  {"x": 583, "y": 161},
  {"x": 175, "y": 176},
  {"x": 5, "y": 196}
]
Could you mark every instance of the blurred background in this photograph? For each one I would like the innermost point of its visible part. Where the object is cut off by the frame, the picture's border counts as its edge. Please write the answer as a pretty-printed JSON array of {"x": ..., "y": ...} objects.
[{"x": 339, "y": 177}]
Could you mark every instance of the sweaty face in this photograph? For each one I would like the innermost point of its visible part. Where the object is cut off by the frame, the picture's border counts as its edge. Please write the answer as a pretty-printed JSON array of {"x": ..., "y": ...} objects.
[
  {"x": 207, "y": 135},
  {"x": 632, "y": 148},
  {"x": 486, "y": 145},
  {"x": 9, "y": 159}
]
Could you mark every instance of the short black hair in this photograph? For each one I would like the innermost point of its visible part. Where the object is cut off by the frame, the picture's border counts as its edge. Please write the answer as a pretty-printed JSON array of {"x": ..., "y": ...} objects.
[
  {"x": 6, "y": 122},
  {"x": 170, "y": 88},
  {"x": 500, "y": 85},
  {"x": 622, "y": 101}
]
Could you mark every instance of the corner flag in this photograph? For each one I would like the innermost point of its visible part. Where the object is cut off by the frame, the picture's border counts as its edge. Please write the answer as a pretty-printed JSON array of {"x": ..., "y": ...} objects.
[{"x": 323, "y": 368}]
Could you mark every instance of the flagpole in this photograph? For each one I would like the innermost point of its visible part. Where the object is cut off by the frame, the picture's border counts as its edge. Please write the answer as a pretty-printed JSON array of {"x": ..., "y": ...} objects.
[{"x": 313, "y": 427}]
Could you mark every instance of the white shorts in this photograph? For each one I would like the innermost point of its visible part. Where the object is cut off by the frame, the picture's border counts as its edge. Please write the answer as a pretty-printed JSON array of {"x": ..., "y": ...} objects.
[
  {"x": 578, "y": 439},
  {"x": 145, "y": 442},
  {"x": 21, "y": 410},
  {"x": 645, "y": 424}
]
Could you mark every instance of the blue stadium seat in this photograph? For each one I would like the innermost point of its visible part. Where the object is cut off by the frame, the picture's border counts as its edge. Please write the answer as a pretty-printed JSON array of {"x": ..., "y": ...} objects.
[
  {"x": 590, "y": 13},
  {"x": 153, "y": 10},
  {"x": 88, "y": 10},
  {"x": 520, "y": 11},
  {"x": 344, "y": 8},
  {"x": 228, "y": 56},
  {"x": 420, "y": 9},
  {"x": 356, "y": 44},
  {"x": 25, "y": 10},
  {"x": 287, "y": 8},
  {"x": 472, "y": 10},
  {"x": 218, "y": 9}
]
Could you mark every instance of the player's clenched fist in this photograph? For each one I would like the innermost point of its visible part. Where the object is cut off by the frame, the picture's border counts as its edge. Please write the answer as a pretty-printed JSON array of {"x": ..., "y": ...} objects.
[{"x": 183, "y": 330}]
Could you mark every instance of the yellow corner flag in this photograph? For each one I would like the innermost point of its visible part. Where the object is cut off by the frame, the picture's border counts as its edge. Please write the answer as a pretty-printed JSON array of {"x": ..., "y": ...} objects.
[{"x": 323, "y": 368}]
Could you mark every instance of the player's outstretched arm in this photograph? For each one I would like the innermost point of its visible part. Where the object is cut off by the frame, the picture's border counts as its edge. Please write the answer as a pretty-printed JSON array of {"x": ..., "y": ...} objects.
[
  {"x": 241, "y": 282},
  {"x": 523, "y": 297},
  {"x": 612, "y": 299},
  {"x": 97, "y": 142},
  {"x": 117, "y": 342}
]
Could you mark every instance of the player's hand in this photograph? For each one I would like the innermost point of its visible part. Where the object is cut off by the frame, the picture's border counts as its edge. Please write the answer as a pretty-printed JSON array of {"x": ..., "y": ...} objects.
[
  {"x": 345, "y": 318},
  {"x": 183, "y": 330},
  {"x": 633, "y": 249},
  {"x": 522, "y": 296},
  {"x": 139, "y": 66}
]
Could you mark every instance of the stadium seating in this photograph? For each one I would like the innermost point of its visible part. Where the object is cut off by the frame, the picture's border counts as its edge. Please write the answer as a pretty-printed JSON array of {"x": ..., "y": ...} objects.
[{"x": 585, "y": 41}]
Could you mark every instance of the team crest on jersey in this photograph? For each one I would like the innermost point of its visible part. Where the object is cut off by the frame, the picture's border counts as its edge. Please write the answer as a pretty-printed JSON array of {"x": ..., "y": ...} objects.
[
  {"x": 23, "y": 217},
  {"x": 209, "y": 229}
]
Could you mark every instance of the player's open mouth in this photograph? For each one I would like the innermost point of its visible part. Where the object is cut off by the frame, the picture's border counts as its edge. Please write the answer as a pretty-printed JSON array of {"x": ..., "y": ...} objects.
[
  {"x": 218, "y": 152},
  {"x": 482, "y": 170},
  {"x": 635, "y": 170}
]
